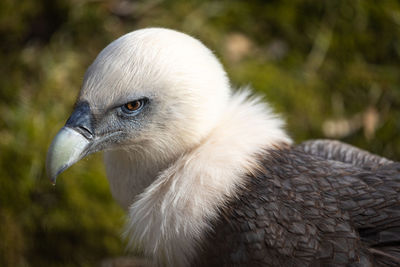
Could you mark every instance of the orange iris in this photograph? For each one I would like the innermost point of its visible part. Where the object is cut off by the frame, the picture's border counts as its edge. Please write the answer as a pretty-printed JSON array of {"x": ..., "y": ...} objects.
[{"x": 134, "y": 105}]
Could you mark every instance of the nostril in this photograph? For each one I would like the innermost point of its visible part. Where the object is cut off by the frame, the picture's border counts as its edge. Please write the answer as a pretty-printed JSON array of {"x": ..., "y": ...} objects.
[
  {"x": 86, "y": 132},
  {"x": 81, "y": 120}
]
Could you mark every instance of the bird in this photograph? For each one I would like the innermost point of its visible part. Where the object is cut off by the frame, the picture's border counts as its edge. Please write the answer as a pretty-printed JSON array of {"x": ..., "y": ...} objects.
[{"x": 208, "y": 175}]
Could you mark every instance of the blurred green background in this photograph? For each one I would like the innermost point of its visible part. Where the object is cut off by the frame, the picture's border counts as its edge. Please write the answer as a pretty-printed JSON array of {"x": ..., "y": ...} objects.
[{"x": 330, "y": 67}]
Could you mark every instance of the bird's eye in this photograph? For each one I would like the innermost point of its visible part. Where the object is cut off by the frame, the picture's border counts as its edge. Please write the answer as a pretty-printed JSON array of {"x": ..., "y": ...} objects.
[{"x": 133, "y": 107}]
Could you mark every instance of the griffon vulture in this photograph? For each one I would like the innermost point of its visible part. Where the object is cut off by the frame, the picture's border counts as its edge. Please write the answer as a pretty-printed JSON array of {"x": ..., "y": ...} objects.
[{"x": 209, "y": 177}]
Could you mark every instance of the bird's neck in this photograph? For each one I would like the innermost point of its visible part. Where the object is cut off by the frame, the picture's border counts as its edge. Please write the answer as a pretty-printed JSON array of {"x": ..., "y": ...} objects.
[
  {"x": 130, "y": 172},
  {"x": 178, "y": 198}
]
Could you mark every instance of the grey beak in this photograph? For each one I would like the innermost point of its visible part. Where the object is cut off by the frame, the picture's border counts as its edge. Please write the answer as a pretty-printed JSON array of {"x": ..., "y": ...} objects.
[{"x": 71, "y": 143}]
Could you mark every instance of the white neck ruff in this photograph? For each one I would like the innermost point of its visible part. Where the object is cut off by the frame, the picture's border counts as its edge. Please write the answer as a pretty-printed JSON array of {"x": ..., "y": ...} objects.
[{"x": 168, "y": 220}]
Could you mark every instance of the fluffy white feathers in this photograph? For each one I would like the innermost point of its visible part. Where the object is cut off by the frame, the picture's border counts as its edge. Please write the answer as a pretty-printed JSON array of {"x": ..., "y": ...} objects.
[
  {"x": 170, "y": 217},
  {"x": 193, "y": 154}
]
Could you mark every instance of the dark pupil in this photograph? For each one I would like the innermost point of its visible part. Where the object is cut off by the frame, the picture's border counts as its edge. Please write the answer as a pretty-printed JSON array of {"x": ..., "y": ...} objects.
[{"x": 133, "y": 105}]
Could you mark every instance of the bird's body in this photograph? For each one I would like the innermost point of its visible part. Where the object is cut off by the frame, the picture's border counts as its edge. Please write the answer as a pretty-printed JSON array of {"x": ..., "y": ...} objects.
[
  {"x": 304, "y": 210},
  {"x": 210, "y": 178}
]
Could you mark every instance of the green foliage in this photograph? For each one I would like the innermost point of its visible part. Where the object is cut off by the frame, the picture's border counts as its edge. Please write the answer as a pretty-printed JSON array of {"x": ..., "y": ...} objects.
[{"x": 330, "y": 67}]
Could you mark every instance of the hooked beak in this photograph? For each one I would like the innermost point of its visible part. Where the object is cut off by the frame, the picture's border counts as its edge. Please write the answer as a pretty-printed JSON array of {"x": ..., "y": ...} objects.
[
  {"x": 68, "y": 147},
  {"x": 71, "y": 143}
]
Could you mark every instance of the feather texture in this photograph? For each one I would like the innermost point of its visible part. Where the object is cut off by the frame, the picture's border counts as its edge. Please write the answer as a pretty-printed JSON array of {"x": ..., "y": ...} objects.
[
  {"x": 335, "y": 150},
  {"x": 303, "y": 210},
  {"x": 171, "y": 217}
]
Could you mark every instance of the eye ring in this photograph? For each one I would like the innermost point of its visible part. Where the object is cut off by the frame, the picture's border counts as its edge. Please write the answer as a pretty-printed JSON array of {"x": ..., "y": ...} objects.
[{"x": 133, "y": 107}]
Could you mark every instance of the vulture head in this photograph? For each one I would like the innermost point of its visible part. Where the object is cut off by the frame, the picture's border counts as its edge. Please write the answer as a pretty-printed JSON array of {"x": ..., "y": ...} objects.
[
  {"x": 152, "y": 93},
  {"x": 177, "y": 140}
]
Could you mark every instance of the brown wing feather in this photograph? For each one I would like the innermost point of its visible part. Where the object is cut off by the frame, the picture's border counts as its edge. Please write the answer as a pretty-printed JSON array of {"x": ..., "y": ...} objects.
[
  {"x": 307, "y": 210},
  {"x": 339, "y": 151}
]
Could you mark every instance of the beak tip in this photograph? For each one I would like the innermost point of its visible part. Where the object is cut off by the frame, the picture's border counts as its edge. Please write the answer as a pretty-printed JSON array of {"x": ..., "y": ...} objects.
[
  {"x": 52, "y": 178},
  {"x": 54, "y": 174}
]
